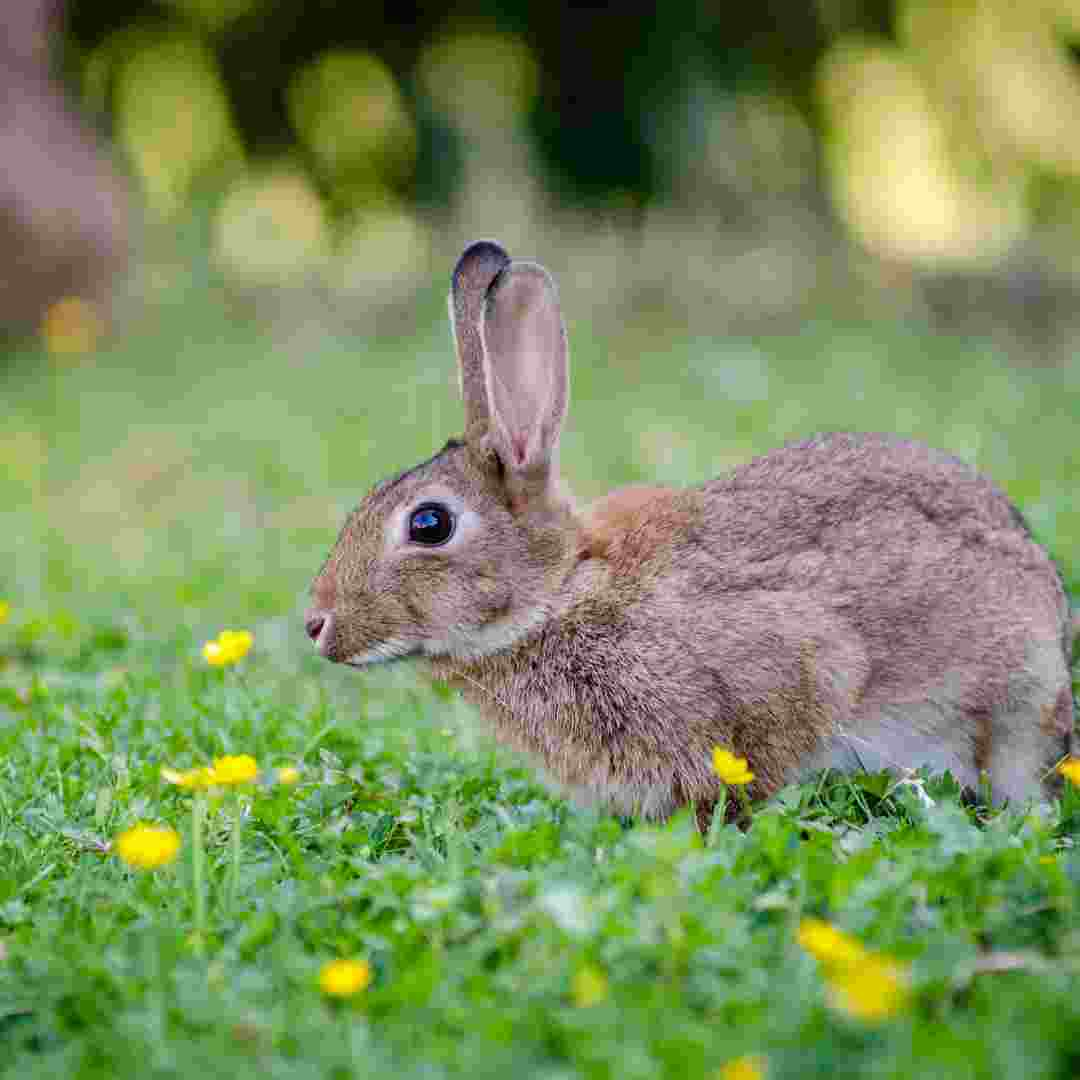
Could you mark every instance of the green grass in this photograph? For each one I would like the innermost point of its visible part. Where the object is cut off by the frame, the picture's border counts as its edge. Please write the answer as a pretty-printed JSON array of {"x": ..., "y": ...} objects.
[{"x": 192, "y": 478}]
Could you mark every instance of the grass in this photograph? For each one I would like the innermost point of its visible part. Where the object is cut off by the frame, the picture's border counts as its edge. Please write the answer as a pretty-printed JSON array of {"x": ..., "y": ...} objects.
[{"x": 191, "y": 478}]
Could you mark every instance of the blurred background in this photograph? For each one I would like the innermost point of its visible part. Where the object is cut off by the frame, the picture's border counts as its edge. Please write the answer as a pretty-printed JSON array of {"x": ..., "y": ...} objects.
[{"x": 226, "y": 230}]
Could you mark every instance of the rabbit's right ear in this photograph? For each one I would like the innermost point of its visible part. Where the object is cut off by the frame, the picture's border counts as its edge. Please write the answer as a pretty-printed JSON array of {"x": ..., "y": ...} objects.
[
  {"x": 527, "y": 377},
  {"x": 477, "y": 268}
]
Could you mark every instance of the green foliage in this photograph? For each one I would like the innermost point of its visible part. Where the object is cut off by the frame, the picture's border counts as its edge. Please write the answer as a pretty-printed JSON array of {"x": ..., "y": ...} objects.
[{"x": 476, "y": 895}]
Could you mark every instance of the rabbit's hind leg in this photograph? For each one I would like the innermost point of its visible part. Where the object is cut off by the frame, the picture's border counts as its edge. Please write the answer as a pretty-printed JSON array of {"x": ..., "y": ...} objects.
[{"x": 1033, "y": 729}]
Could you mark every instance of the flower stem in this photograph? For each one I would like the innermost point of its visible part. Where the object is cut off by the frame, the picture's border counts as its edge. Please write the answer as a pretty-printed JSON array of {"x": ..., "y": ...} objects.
[
  {"x": 744, "y": 804},
  {"x": 719, "y": 816},
  {"x": 198, "y": 865},
  {"x": 234, "y": 865}
]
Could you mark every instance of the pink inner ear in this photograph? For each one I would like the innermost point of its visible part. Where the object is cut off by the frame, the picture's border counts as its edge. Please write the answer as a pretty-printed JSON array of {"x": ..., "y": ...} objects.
[
  {"x": 524, "y": 366},
  {"x": 518, "y": 447}
]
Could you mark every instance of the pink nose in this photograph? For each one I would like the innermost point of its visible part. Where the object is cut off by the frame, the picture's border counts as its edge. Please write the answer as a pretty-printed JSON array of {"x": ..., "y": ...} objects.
[{"x": 314, "y": 621}]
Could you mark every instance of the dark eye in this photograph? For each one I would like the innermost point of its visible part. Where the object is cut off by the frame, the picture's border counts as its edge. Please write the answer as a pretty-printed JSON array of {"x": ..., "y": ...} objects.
[{"x": 431, "y": 524}]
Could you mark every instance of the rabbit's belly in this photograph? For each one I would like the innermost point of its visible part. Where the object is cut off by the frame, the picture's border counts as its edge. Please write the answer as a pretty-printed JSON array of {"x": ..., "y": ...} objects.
[
  {"x": 1010, "y": 724},
  {"x": 897, "y": 742}
]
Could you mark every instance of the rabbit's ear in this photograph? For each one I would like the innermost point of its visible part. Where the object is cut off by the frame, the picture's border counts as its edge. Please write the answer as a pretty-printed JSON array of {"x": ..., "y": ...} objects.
[
  {"x": 477, "y": 268},
  {"x": 525, "y": 367}
]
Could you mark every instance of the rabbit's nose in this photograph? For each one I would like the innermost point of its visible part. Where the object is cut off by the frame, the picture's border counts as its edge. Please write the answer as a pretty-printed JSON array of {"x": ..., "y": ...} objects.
[{"x": 317, "y": 624}]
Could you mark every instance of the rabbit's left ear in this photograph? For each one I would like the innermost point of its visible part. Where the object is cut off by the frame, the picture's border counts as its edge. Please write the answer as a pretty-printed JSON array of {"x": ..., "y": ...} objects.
[
  {"x": 477, "y": 268},
  {"x": 526, "y": 375}
]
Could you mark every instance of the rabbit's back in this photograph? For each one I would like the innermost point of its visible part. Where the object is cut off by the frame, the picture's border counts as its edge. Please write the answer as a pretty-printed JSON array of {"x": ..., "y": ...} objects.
[
  {"x": 841, "y": 486},
  {"x": 856, "y": 517}
]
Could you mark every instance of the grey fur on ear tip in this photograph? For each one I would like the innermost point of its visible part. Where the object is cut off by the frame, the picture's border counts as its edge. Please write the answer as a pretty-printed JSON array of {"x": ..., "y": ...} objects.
[{"x": 477, "y": 253}]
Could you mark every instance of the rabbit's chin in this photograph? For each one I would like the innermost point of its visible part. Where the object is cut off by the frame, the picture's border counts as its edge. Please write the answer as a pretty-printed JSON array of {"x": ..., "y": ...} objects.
[
  {"x": 385, "y": 652},
  {"x": 497, "y": 636}
]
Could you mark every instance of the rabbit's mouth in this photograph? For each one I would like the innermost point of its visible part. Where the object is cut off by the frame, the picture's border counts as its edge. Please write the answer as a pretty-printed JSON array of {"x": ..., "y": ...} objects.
[{"x": 325, "y": 630}]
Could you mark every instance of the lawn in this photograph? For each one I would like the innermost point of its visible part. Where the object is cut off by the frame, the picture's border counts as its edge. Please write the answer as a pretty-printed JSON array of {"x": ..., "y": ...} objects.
[{"x": 190, "y": 477}]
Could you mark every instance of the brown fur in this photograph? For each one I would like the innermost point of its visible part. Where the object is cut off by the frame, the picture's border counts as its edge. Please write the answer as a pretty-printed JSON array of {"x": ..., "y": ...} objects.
[
  {"x": 852, "y": 600},
  {"x": 606, "y": 522}
]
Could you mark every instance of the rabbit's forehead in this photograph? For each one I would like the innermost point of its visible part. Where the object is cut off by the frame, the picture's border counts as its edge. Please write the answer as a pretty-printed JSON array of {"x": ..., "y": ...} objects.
[
  {"x": 447, "y": 462},
  {"x": 446, "y": 479},
  {"x": 422, "y": 493}
]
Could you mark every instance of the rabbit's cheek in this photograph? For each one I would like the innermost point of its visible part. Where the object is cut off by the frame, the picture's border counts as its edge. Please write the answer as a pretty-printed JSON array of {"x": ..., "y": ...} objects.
[
  {"x": 462, "y": 598},
  {"x": 492, "y": 595}
]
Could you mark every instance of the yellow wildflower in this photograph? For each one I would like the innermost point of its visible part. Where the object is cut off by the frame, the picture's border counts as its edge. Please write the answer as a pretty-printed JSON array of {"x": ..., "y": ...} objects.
[
  {"x": 228, "y": 647},
  {"x": 71, "y": 326},
  {"x": 343, "y": 978},
  {"x": 828, "y": 944},
  {"x": 227, "y": 771},
  {"x": 863, "y": 984},
  {"x": 197, "y": 778},
  {"x": 589, "y": 987},
  {"x": 234, "y": 769},
  {"x": 873, "y": 990},
  {"x": 146, "y": 847},
  {"x": 1070, "y": 769},
  {"x": 5, "y": 611},
  {"x": 747, "y": 1067},
  {"x": 730, "y": 769},
  {"x": 288, "y": 775}
]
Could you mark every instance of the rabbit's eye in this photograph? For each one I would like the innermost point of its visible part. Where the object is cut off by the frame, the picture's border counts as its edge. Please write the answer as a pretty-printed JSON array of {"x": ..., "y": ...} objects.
[{"x": 431, "y": 524}]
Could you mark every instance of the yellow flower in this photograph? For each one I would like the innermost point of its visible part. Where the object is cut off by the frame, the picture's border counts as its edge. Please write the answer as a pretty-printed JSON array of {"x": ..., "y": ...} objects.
[
  {"x": 343, "y": 978},
  {"x": 234, "y": 769},
  {"x": 1070, "y": 769},
  {"x": 146, "y": 847},
  {"x": 730, "y": 769},
  {"x": 828, "y": 944},
  {"x": 5, "y": 611},
  {"x": 227, "y": 771},
  {"x": 873, "y": 990},
  {"x": 747, "y": 1067},
  {"x": 288, "y": 775},
  {"x": 589, "y": 987},
  {"x": 71, "y": 326},
  {"x": 863, "y": 984},
  {"x": 228, "y": 647},
  {"x": 197, "y": 778}
]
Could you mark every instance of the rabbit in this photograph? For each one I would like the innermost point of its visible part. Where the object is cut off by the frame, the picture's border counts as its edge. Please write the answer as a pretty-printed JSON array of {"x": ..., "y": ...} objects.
[{"x": 855, "y": 601}]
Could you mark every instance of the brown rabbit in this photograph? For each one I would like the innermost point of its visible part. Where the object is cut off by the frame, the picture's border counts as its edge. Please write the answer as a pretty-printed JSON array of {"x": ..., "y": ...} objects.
[{"x": 850, "y": 601}]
